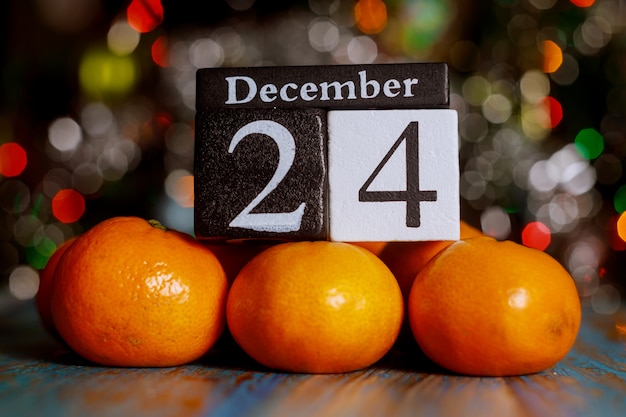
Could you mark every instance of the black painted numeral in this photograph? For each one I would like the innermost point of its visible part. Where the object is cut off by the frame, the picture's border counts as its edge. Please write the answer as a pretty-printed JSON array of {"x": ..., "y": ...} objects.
[{"x": 412, "y": 195}]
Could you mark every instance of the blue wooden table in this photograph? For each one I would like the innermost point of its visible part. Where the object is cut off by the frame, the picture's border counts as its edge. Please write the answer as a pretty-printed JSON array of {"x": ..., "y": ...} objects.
[{"x": 39, "y": 377}]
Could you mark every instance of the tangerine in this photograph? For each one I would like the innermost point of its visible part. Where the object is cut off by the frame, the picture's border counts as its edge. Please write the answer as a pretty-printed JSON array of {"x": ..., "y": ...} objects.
[
  {"x": 406, "y": 259},
  {"x": 233, "y": 256},
  {"x": 130, "y": 292},
  {"x": 375, "y": 247},
  {"x": 46, "y": 277},
  {"x": 315, "y": 307},
  {"x": 491, "y": 308}
]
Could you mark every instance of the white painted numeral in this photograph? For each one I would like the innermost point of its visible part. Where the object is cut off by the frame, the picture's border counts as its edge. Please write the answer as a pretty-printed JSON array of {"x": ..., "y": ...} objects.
[{"x": 269, "y": 222}]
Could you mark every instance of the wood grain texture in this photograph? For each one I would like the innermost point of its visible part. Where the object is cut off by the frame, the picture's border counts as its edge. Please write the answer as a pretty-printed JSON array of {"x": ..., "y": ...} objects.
[{"x": 38, "y": 376}]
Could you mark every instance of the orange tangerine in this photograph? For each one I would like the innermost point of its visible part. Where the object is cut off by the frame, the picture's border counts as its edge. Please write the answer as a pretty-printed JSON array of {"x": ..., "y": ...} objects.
[
  {"x": 233, "y": 256},
  {"x": 129, "y": 292},
  {"x": 375, "y": 247},
  {"x": 46, "y": 277},
  {"x": 484, "y": 307},
  {"x": 318, "y": 307},
  {"x": 406, "y": 259}
]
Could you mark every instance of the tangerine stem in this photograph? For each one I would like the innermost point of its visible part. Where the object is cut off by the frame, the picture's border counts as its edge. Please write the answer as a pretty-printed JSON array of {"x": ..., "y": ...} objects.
[{"x": 157, "y": 224}]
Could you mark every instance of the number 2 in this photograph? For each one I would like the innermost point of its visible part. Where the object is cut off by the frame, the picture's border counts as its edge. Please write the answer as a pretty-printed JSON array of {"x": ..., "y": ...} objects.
[
  {"x": 412, "y": 195},
  {"x": 269, "y": 222}
]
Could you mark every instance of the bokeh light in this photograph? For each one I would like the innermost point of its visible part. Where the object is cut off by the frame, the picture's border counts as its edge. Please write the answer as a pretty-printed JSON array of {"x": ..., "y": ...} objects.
[
  {"x": 606, "y": 299},
  {"x": 589, "y": 143},
  {"x": 495, "y": 222},
  {"x": 206, "y": 53},
  {"x": 370, "y": 16},
  {"x": 160, "y": 52},
  {"x": 497, "y": 108},
  {"x": 122, "y": 39},
  {"x": 38, "y": 254},
  {"x": 536, "y": 235},
  {"x": 534, "y": 86},
  {"x": 621, "y": 226},
  {"x": 96, "y": 118},
  {"x": 144, "y": 15},
  {"x": 103, "y": 73},
  {"x": 586, "y": 279},
  {"x": 543, "y": 4},
  {"x": 619, "y": 199},
  {"x": 362, "y": 50},
  {"x": 583, "y": 3},
  {"x": 568, "y": 71},
  {"x": 555, "y": 112},
  {"x": 64, "y": 134},
  {"x": 13, "y": 159},
  {"x": 476, "y": 89},
  {"x": 552, "y": 56},
  {"x": 68, "y": 205},
  {"x": 538, "y": 87},
  {"x": 323, "y": 34},
  {"x": 179, "y": 187},
  {"x": 24, "y": 282},
  {"x": 423, "y": 22},
  {"x": 240, "y": 5}
]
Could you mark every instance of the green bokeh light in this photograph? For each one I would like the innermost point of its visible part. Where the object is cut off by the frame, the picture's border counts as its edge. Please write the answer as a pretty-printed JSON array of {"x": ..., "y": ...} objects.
[
  {"x": 589, "y": 143},
  {"x": 38, "y": 255},
  {"x": 424, "y": 23},
  {"x": 619, "y": 200}
]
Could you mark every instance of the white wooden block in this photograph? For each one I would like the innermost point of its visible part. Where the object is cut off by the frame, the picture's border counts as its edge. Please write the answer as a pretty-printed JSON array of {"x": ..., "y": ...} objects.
[{"x": 393, "y": 175}]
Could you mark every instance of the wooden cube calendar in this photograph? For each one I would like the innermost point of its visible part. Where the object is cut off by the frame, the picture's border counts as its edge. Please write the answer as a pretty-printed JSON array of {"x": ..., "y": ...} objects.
[
  {"x": 393, "y": 175},
  {"x": 263, "y": 174},
  {"x": 347, "y": 153}
]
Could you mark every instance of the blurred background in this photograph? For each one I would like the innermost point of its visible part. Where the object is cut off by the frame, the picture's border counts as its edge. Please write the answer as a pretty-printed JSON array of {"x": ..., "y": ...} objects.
[{"x": 97, "y": 112}]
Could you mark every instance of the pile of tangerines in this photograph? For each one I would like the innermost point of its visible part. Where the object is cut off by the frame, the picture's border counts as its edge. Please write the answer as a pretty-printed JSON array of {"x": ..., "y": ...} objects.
[{"x": 129, "y": 292}]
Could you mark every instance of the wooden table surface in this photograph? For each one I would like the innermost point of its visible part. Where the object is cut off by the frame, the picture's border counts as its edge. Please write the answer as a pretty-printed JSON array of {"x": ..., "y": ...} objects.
[{"x": 39, "y": 377}]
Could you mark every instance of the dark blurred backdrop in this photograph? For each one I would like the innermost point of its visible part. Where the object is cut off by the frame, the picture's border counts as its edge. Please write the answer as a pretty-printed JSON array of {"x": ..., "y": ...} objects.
[{"x": 97, "y": 112}]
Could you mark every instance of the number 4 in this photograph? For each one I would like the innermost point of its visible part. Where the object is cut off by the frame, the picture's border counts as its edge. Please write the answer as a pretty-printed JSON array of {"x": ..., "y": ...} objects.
[{"x": 412, "y": 195}]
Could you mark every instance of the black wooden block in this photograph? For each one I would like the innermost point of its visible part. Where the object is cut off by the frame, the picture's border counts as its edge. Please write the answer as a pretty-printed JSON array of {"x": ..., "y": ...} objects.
[
  {"x": 381, "y": 86},
  {"x": 261, "y": 173}
]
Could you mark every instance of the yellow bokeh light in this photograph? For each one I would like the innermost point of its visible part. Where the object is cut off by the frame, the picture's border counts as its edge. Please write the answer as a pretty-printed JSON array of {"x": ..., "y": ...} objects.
[
  {"x": 534, "y": 119},
  {"x": 104, "y": 73}
]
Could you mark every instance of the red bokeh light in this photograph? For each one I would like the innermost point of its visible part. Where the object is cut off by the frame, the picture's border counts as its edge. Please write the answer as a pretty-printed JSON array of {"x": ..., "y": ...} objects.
[
  {"x": 160, "y": 52},
  {"x": 68, "y": 205},
  {"x": 583, "y": 3},
  {"x": 555, "y": 110},
  {"x": 536, "y": 235},
  {"x": 144, "y": 15},
  {"x": 163, "y": 120},
  {"x": 13, "y": 159}
]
